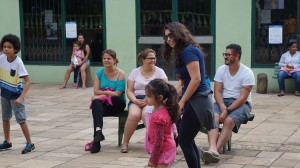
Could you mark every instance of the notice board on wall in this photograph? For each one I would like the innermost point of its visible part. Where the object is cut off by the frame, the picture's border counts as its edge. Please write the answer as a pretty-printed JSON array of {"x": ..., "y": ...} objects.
[{"x": 275, "y": 34}]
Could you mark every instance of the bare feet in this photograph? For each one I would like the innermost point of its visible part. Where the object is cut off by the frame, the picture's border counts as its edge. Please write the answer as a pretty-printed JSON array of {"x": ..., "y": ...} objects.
[
  {"x": 63, "y": 87},
  {"x": 75, "y": 86}
]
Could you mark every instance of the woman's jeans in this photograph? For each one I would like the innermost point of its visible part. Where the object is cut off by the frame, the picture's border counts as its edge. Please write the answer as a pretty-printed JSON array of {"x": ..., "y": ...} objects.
[{"x": 282, "y": 75}]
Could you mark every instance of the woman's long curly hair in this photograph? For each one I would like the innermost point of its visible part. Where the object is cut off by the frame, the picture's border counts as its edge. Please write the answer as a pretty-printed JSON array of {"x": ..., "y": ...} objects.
[
  {"x": 182, "y": 38},
  {"x": 157, "y": 87}
]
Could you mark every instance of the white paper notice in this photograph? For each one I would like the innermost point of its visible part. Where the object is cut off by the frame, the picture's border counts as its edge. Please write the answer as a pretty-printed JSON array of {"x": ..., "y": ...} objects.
[
  {"x": 71, "y": 30},
  {"x": 275, "y": 34}
]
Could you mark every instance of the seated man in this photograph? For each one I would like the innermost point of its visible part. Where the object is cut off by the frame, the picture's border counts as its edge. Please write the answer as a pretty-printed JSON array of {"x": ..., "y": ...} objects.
[{"x": 232, "y": 92}]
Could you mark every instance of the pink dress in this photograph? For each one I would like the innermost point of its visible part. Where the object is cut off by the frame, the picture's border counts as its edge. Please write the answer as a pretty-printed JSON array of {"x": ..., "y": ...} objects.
[
  {"x": 148, "y": 111},
  {"x": 162, "y": 143}
]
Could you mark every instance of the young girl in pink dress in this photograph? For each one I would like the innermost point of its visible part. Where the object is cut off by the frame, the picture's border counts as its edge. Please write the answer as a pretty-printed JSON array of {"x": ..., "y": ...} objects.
[{"x": 163, "y": 97}]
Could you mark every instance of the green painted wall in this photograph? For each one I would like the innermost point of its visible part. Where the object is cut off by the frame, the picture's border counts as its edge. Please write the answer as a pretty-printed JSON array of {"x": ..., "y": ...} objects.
[
  {"x": 121, "y": 32},
  {"x": 233, "y": 25},
  {"x": 10, "y": 21}
]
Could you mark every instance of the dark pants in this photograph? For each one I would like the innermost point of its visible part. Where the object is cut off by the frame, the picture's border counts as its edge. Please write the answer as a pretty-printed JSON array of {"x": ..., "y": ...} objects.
[
  {"x": 77, "y": 74},
  {"x": 101, "y": 110},
  {"x": 189, "y": 129}
]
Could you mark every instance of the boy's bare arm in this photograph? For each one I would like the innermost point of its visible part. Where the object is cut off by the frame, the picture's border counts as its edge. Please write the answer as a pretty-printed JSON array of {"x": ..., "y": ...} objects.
[{"x": 25, "y": 90}]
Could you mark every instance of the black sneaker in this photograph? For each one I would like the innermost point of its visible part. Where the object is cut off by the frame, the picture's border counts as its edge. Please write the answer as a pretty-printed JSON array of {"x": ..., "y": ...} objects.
[
  {"x": 99, "y": 136},
  {"x": 5, "y": 145},
  {"x": 96, "y": 147},
  {"x": 28, "y": 148}
]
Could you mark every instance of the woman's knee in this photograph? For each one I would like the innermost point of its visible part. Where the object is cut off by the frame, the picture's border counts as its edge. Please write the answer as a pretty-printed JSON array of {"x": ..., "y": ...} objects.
[
  {"x": 83, "y": 67},
  {"x": 134, "y": 113},
  {"x": 281, "y": 75}
]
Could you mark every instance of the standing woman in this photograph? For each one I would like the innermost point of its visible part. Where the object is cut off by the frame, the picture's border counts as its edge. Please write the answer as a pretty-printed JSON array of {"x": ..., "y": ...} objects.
[
  {"x": 195, "y": 103},
  {"x": 84, "y": 64},
  {"x": 109, "y": 95}
]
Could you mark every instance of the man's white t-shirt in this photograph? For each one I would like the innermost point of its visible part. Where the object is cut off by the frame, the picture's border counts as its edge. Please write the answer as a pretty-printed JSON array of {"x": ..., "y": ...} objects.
[{"x": 233, "y": 84}]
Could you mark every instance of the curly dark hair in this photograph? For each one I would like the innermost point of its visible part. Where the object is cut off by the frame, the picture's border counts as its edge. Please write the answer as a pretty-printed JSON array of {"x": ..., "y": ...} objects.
[
  {"x": 182, "y": 37},
  {"x": 157, "y": 87},
  {"x": 13, "y": 39}
]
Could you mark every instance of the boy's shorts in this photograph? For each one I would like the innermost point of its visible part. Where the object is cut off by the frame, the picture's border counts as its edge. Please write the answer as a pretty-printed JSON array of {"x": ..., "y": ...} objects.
[
  {"x": 8, "y": 106},
  {"x": 239, "y": 115}
]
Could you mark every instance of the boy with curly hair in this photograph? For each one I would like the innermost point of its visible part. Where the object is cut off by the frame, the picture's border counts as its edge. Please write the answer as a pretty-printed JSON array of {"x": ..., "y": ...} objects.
[{"x": 12, "y": 71}]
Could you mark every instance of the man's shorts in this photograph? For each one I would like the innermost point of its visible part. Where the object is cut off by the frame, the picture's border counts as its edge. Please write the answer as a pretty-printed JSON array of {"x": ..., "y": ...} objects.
[
  {"x": 9, "y": 106},
  {"x": 239, "y": 115}
]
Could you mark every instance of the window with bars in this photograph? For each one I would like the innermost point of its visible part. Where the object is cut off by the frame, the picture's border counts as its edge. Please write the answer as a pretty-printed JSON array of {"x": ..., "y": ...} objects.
[
  {"x": 268, "y": 14},
  {"x": 44, "y": 29}
]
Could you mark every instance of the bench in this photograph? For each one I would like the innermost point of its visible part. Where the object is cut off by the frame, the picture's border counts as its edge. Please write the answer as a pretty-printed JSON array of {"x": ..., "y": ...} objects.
[
  {"x": 276, "y": 70},
  {"x": 228, "y": 144},
  {"x": 122, "y": 120}
]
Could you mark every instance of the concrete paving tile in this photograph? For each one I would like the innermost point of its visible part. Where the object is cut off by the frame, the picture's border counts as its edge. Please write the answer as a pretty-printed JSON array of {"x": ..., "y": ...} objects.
[
  {"x": 289, "y": 148},
  {"x": 285, "y": 163},
  {"x": 271, "y": 155},
  {"x": 230, "y": 166},
  {"x": 297, "y": 165},
  {"x": 245, "y": 153},
  {"x": 291, "y": 156},
  {"x": 35, "y": 163},
  {"x": 7, "y": 162},
  {"x": 263, "y": 161},
  {"x": 254, "y": 166},
  {"x": 265, "y": 139},
  {"x": 241, "y": 160}
]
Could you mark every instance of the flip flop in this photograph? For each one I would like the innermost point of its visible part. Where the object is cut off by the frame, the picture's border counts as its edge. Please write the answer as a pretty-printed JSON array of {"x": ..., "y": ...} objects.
[
  {"x": 124, "y": 150},
  {"x": 210, "y": 157}
]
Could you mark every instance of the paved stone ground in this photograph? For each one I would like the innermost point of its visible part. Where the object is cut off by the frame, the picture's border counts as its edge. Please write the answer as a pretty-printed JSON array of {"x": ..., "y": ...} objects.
[{"x": 61, "y": 123}]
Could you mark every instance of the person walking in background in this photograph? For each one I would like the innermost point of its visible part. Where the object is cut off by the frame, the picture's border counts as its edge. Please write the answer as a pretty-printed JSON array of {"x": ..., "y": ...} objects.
[
  {"x": 232, "y": 92},
  {"x": 84, "y": 64},
  {"x": 137, "y": 80},
  {"x": 76, "y": 60},
  {"x": 12, "y": 71},
  {"x": 163, "y": 97},
  {"x": 109, "y": 95},
  {"x": 289, "y": 68},
  {"x": 195, "y": 103}
]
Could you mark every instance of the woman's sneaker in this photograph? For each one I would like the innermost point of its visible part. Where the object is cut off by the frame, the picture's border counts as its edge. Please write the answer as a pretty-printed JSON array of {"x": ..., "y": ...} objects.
[
  {"x": 5, "y": 145},
  {"x": 28, "y": 148}
]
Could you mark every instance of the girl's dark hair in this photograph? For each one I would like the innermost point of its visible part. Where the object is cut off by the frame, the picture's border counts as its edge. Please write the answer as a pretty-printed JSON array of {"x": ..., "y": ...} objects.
[
  {"x": 143, "y": 55},
  {"x": 182, "y": 37},
  {"x": 13, "y": 39},
  {"x": 77, "y": 43},
  {"x": 112, "y": 53},
  {"x": 157, "y": 87}
]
